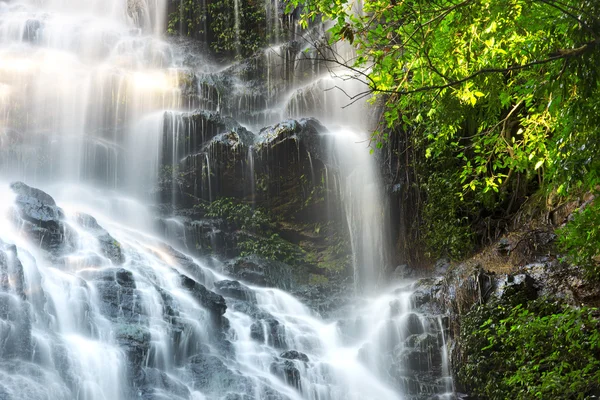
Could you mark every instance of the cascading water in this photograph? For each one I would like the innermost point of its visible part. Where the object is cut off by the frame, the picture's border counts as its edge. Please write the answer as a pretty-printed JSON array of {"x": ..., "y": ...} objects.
[{"x": 95, "y": 304}]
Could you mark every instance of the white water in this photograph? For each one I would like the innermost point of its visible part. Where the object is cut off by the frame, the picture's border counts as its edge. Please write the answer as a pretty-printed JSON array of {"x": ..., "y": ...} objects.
[{"x": 84, "y": 86}]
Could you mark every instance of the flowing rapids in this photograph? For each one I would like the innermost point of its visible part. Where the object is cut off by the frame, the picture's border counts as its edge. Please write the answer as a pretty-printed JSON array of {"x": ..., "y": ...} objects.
[{"x": 96, "y": 303}]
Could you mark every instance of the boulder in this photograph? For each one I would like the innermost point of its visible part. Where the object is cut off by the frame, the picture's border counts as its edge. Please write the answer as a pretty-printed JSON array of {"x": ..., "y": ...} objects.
[{"x": 41, "y": 219}]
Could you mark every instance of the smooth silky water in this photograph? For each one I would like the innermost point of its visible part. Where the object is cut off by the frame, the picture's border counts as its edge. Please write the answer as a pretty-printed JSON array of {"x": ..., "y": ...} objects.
[{"x": 84, "y": 89}]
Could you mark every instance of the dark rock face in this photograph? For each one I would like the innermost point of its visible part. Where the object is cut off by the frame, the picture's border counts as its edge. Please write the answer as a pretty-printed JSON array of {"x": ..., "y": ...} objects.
[
  {"x": 110, "y": 248},
  {"x": 41, "y": 218},
  {"x": 288, "y": 372},
  {"x": 294, "y": 355},
  {"x": 235, "y": 290},
  {"x": 118, "y": 294},
  {"x": 269, "y": 331},
  {"x": 213, "y": 302}
]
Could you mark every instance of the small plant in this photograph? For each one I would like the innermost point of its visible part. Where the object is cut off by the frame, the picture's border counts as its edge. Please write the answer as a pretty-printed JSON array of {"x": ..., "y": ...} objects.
[{"x": 580, "y": 240}]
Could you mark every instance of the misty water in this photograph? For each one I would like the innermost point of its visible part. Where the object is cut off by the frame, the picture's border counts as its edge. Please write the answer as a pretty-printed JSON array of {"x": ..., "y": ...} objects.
[{"x": 98, "y": 301}]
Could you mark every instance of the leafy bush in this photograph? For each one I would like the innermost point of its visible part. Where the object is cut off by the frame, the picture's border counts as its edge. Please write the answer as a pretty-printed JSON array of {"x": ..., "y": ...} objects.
[
  {"x": 240, "y": 216},
  {"x": 580, "y": 240},
  {"x": 272, "y": 247},
  {"x": 445, "y": 225},
  {"x": 536, "y": 351},
  {"x": 256, "y": 234}
]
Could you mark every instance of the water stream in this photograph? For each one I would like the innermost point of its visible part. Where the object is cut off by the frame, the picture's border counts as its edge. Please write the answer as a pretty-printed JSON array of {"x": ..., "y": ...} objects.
[{"x": 96, "y": 303}]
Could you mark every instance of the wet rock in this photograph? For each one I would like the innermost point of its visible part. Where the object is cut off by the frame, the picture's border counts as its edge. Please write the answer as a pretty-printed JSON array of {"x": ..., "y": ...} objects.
[
  {"x": 261, "y": 272},
  {"x": 211, "y": 301},
  {"x": 40, "y": 218},
  {"x": 119, "y": 298},
  {"x": 15, "y": 312},
  {"x": 236, "y": 290},
  {"x": 403, "y": 271},
  {"x": 327, "y": 299},
  {"x": 210, "y": 375},
  {"x": 269, "y": 331},
  {"x": 187, "y": 133},
  {"x": 566, "y": 282},
  {"x": 186, "y": 264},
  {"x": 248, "y": 308},
  {"x": 413, "y": 324},
  {"x": 426, "y": 342},
  {"x": 305, "y": 130},
  {"x": 288, "y": 372},
  {"x": 441, "y": 266},
  {"x": 109, "y": 247},
  {"x": 12, "y": 277},
  {"x": 154, "y": 384},
  {"x": 517, "y": 288},
  {"x": 135, "y": 341},
  {"x": 294, "y": 355}
]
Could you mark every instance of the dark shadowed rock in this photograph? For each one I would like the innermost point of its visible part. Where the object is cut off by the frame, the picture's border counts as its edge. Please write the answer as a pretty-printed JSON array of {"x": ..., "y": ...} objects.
[
  {"x": 288, "y": 372},
  {"x": 294, "y": 355},
  {"x": 269, "y": 331},
  {"x": 119, "y": 298},
  {"x": 236, "y": 290},
  {"x": 211, "y": 301}
]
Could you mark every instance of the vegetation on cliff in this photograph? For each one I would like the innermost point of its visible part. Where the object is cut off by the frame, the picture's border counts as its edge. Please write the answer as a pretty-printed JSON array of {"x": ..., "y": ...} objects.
[
  {"x": 531, "y": 350},
  {"x": 494, "y": 100}
]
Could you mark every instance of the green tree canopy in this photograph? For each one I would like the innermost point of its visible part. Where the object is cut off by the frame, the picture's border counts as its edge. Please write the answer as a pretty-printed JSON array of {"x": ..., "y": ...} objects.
[{"x": 500, "y": 97}]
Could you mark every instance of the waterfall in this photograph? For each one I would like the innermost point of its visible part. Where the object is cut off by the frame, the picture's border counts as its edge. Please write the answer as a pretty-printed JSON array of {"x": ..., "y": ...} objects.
[{"x": 103, "y": 295}]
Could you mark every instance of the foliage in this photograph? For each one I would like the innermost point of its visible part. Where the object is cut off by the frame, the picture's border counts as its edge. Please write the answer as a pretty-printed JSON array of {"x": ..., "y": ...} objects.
[
  {"x": 244, "y": 35},
  {"x": 240, "y": 215},
  {"x": 187, "y": 19},
  {"x": 507, "y": 88},
  {"x": 272, "y": 247},
  {"x": 256, "y": 231},
  {"x": 580, "y": 239},
  {"x": 231, "y": 26},
  {"x": 446, "y": 228},
  {"x": 535, "y": 351}
]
